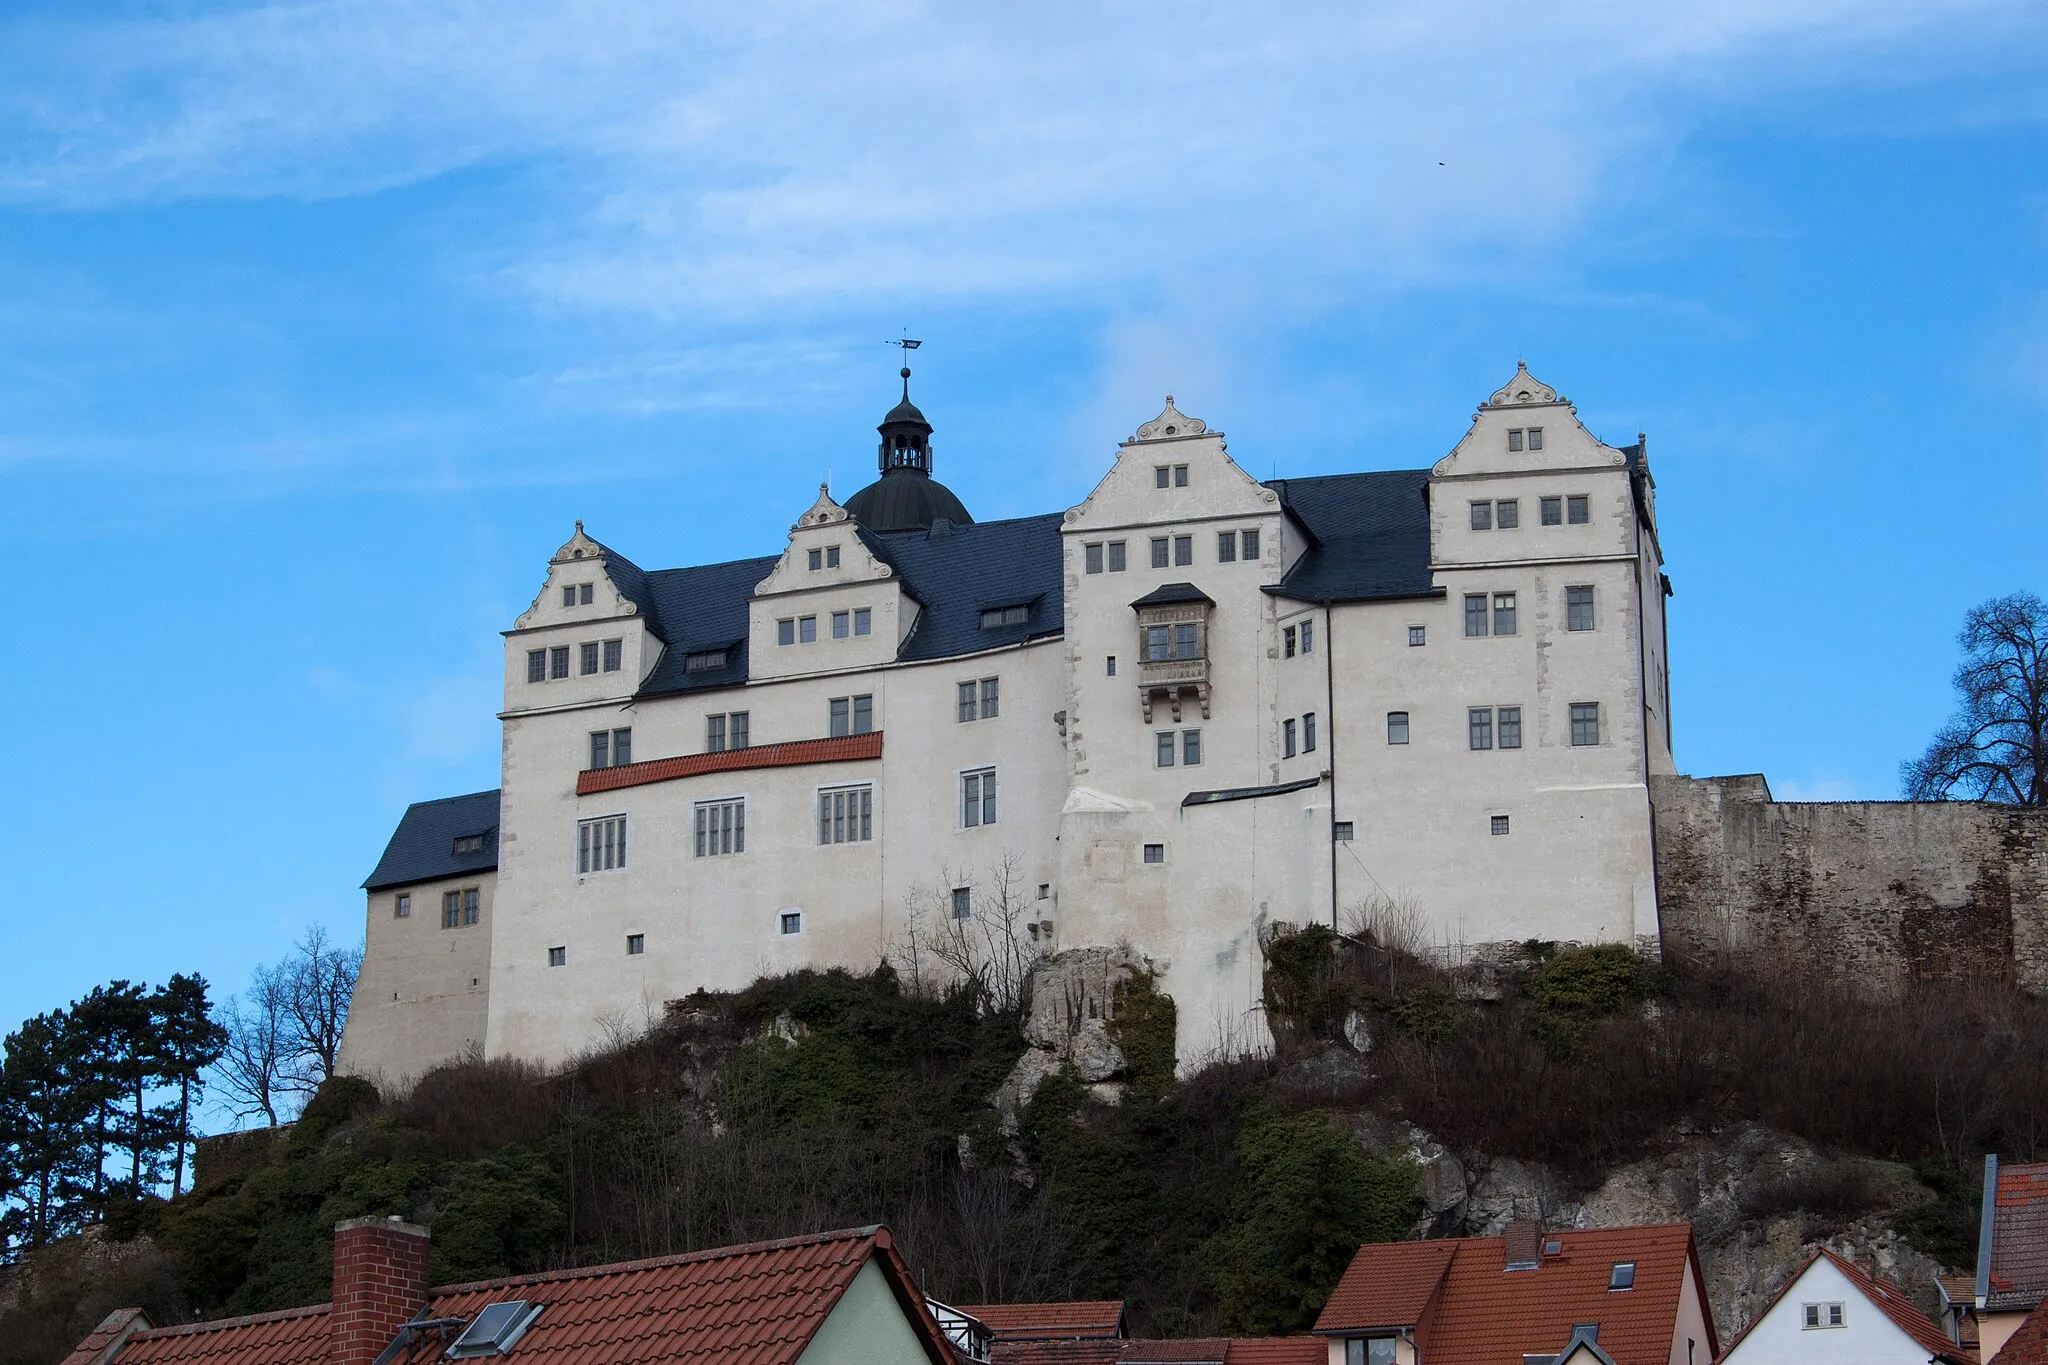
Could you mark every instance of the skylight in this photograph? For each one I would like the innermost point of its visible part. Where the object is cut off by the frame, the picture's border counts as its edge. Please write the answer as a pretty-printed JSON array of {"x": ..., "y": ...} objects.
[
  {"x": 1623, "y": 1276},
  {"x": 495, "y": 1330}
]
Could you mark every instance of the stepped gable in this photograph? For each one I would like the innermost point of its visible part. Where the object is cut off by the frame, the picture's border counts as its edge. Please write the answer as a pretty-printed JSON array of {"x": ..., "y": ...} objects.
[{"x": 422, "y": 848}]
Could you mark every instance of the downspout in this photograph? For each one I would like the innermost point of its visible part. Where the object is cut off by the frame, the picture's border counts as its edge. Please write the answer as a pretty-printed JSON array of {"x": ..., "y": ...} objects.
[
  {"x": 1643, "y": 705},
  {"x": 1330, "y": 710}
]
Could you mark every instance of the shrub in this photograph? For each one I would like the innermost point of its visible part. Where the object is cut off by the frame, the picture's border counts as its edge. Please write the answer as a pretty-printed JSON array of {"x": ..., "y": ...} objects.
[{"x": 1306, "y": 994}]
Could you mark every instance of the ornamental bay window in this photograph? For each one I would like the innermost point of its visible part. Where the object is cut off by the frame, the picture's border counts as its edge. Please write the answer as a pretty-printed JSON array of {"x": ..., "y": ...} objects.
[{"x": 1173, "y": 648}]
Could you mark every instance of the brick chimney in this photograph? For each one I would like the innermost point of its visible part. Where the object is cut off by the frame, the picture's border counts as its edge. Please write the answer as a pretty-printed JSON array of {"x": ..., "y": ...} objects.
[
  {"x": 1523, "y": 1243},
  {"x": 380, "y": 1282}
]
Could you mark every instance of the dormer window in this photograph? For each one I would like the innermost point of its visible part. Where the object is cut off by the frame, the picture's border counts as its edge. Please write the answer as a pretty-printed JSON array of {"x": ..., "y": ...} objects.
[
  {"x": 995, "y": 618},
  {"x": 704, "y": 661},
  {"x": 470, "y": 843}
]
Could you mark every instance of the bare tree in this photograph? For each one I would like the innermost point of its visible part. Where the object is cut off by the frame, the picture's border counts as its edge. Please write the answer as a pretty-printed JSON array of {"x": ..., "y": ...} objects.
[
  {"x": 981, "y": 930},
  {"x": 284, "y": 1032},
  {"x": 251, "y": 1072},
  {"x": 1995, "y": 748}
]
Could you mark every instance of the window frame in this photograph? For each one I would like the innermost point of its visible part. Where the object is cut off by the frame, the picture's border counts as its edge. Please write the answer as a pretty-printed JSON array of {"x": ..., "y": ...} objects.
[
  {"x": 1248, "y": 545},
  {"x": 982, "y": 808},
  {"x": 1514, "y": 440},
  {"x": 1479, "y": 729},
  {"x": 1226, "y": 547},
  {"x": 1505, "y": 608},
  {"x": 842, "y": 820},
  {"x": 807, "y": 630},
  {"x": 568, "y": 594},
  {"x": 1576, "y": 720},
  {"x": 1418, "y": 637},
  {"x": 558, "y": 955},
  {"x": 536, "y": 665},
  {"x": 1091, "y": 557},
  {"x": 1162, "y": 552},
  {"x": 789, "y": 923},
  {"x": 1183, "y": 551},
  {"x": 1578, "y": 509},
  {"x": 597, "y": 851},
  {"x": 1479, "y": 513},
  {"x": 1153, "y": 855},
  {"x": 636, "y": 945},
  {"x": 1550, "y": 510},
  {"x": 1165, "y": 749},
  {"x": 401, "y": 905},
  {"x": 1119, "y": 555},
  {"x": 1507, "y": 727},
  {"x": 705, "y": 832},
  {"x": 1499, "y": 827},
  {"x": 863, "y": 621},
  {"x": 1578, "y": 596},
  {"x": 960, "y": 903},
  {"x": 1476, "y": 615},
  {"x": 1401, "y": 727},
  {"x": 1287, "y": 749},
  {"x": 614, "y": 655},
  {"x": 1191, "y": 748},
  {"x": 842, "y": 624},
  {"x": 558, "y": 662},
  {"x": 1308, "y": 732},
  {"x": 785, "y": 631},
  {"x": 1507, "y": 514}
]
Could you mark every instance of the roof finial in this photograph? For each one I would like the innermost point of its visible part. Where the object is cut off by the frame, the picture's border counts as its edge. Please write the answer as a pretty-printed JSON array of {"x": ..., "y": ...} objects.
[{"x": 908, "y": 346}]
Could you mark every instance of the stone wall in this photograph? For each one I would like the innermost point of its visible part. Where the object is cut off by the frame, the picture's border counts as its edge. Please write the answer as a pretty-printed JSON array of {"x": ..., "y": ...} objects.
[{"x": 1899, "y": 891}]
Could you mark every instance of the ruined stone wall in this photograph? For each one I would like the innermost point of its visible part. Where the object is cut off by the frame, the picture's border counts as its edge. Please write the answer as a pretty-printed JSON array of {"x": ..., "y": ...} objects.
[{"x": 1900, "y": 891}]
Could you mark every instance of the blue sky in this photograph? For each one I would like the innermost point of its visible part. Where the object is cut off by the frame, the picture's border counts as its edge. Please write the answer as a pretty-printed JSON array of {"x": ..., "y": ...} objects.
[{"x": 320, "y": 323}]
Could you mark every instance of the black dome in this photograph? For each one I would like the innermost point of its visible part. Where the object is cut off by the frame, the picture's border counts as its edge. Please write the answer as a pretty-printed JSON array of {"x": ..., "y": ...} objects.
[{"x": 906, "y": 500}]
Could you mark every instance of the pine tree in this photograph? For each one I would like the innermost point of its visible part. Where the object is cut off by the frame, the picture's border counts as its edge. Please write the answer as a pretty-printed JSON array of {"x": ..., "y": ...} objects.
[
  {"x": 188, "y": 1041},
  {"x": 48, "y": 1111}
]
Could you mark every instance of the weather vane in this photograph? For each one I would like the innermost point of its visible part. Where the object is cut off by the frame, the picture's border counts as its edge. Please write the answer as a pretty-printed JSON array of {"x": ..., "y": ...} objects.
[{"x": 908, "y": 346}]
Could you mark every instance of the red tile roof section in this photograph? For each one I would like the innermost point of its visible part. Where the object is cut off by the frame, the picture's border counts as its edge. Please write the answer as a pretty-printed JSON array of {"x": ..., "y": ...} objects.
[
  {"x": 795, "y": 754},
  {"x": 1893, "y": 1302},
  {"x": 295, "y": 1336},
  {"x": 2019, "y": 1236},
  {"x": 1389, "y": 1284},
  {"x": 1195, "y": 1351},
  {"x": 101, "y": 1343},
  {"x": 1485, "y": 1314},
  {"x": 1049, "y": 1321},
  {"x": 2028, "y": 1345},
  {"x": 1278, "y": 1351},
  {"x": 1081, "y": 1351}
]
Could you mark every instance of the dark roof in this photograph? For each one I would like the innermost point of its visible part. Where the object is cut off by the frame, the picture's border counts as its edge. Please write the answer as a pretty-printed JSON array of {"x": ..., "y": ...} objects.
[
  {"x": 1371, "y": 534},
  {"x": 1166, "y": 594},
  {"x": 1210, "y": 798},
  {"x": 422, "y": 849},
  {"x": 906, "y": 500},
  {"x": 906, "y": 411},
  {"x": 960, "y": 572},
  {"x": 699, "y": 609},
  {"x": 2019, "y": 1238}
]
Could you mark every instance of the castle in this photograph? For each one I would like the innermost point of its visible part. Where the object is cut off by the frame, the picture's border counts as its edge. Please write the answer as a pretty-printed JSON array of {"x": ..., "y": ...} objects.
[{"x": 1189, "y": 707}]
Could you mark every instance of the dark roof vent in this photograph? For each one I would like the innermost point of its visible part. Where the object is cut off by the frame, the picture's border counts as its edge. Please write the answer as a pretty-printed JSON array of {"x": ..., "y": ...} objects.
[{"x": 496, "y": 1330}]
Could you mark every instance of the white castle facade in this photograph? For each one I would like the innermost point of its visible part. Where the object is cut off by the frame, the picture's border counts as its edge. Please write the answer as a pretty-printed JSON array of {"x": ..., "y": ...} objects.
[{"x": 1189, "y": 707}]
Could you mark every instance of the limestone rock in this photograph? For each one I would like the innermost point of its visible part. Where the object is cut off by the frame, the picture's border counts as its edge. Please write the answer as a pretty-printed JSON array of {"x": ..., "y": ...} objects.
[
  {"x": 1358, "y": 1032},
  {"x": 1093, "y": 1054},
  {"x": 1068, "y": 989},
  {"x": 1021, "y": 1084}
]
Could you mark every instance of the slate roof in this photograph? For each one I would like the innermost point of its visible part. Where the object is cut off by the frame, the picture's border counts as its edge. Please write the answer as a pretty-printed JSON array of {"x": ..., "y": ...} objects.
[
  {"x": 962, "y": 572},
  {"x": 749, "y": 1305},
  {"x": 699, "y": 609},
  {"x": 2019, "y": 1238},
  {"x": 1169, "y": 594},
  {"x": 422, "y": 848},
  {"x": 1468, "y": 1308},
  {"x": 1371, "y": 533}
]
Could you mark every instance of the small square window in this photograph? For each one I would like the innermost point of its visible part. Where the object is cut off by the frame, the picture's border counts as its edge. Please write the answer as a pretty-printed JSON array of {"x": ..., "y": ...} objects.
[
  {"x": 1180, "y": 476},
  {"x": 1585, "y": 723},
  {"x": 1578, "y": 608},
  {"x": 1509, "y": 727},
  {"x": 636, "y": 944},
  {"x": 1342, "y": 831},
  {"x": 1091, "y": 558},
  {"x": 1116, "y": 556},
  {"x": 1163, "y": 749},
  {"x": 817, "y": 560},
  {"x": 1248, "y": 545},
  {"x": 1418, "y": 636},
  {"x": 1226, "y": 547},
  {"x": 1507, "y": 514},
  {"x": 1183, "y": 550},
  {"x": 1162, "y": 476},
  {"x": 614, "y": 655},
  {"x": 558, "y": 957},
  {"x": 402, "y": 909},
  {"x": 1479, "y": 727},
  {"x": 1578, "y": 509},
  {"x": 807, "y": 630},
  {"x": 587, "y": 658},
  {"x": 1514, "y": 438},
  {"x": 785, "y": 631},
  {"x": 1161, "y": 554},
  {"x": 962, "y": 902},
  {"x": 1287, "y": 642},
  {"x": 1553, "y": 511},
  {"x": 1475, "y": 614},
  {"x": 536, "y": 665},
  {"x": 569, "y": 595},
  {"x": 1191, "y": 747},
  {"x": 1155, "y": 853},
  {"x": 1535, "y": 438},
  {"x": 842, "y": 624},
  {"x": 863, "y": 621},
  {"x": 1045, "y": 891},
  {"x": 1623, "y": 1276},
  {"x": 792, "y": 921},
  {"x": 1500, "y": 824},
  {"x": 1397, "y": 727},
  {"x": 1482, "y": 516},
  {"x": 831, "y": 556}
]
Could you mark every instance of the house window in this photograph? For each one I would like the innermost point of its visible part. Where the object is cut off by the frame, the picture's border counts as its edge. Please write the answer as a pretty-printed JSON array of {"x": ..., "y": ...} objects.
[
  {"x": 1585, "y": 723},
  {"x": 791, "y": 921},
  {"x": 736, "y": 730},
  {"x": 965, "y": 708},
  {"x": 842, "y": 624},
  {"x": 1623, "y": 1276},
  {"x": 1503, "y": 613},
  {"x": 1343, "y": 831},
  {"x": 1091, "y": 557},
  {"x": 1183, "y": 550},
  {"x": 1475, "y": 614},
  {"x": 558, "y": 661},
  {"x": 1482, "y": 516},
  {"x": 1155, "y": 853},
  {"x": 1109, "y": 661},
  {"x": 1514, "y": 438},
  {"x": 1162, "y": 476},
  {"x": 807, "y": 630},
  {"x": 1553, "y": 511},
  {"x": 1507, "y": 514},
  {"x": 611, "y": 748},
  {"x": 1180, "y": 476},
  {"x": 991, "y": 696},
  {"x": 1308, "y": 637},
  {"x": 536, "y": 665},
  {"x": 846, "y": 815},
  {"x": 1163, "y": 749},
  {"x": 1170, "y": 642},
  {"x": 852, "y": 715},
  {"x": 1308, "y": 733},
  {"x": 785, "y": 631},
  {"x": 1116, "y": 556},
  {"x": 1578, "y": 509},
  {"x": 817, "y": 560},
  {"x": 569, "y": 595},
  {"x": 1287, "y": 642},
  {"x": 1417, "y": 636},
  {"x": 1160, "y": 553},
  {"x": 1045, "y": 891},
  {"x": 401, "y": 908},
  {"x": 1822, "y": 1315},
  {"x": 461, "y": 908},
  {"x": 704, "y": 661},
  {"x": 1535, "y": 438},
  {"x": 1191, "y": 748},
  {"x": 1397, "y": 727},
  {"x": 961, "y": 903},
  {"x": 1509, "y": 726},
  {"x": 995, "y": 617},
  {"x": 1369, "y": 1351},
  {"x": 1248, "y": 545},
  {"x": 1578, "y": 608},
  {"x": 587, "y": 658},
  {"x": 615, "y": 655},
  {"x": 1499, "y": 824},
  {"x": 863, "y": 621},
  {"x": 1287, "y": 738},
  {"x": 636, "y": 944},
  {"x": 600, "y": 844},
  {"x": 978, "y": 798},
  {"x": 721, "y": 828},
  {"x": 1226, "y": 547},
  {"x": 714, "y": 734},
  {"x": 831, "y": 556},
  {"x": 558, "y": 957},
  {"x": 1479, "y": 727}
]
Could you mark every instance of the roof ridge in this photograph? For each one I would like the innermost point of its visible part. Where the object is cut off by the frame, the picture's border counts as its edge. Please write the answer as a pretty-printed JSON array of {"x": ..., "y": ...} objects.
[
  {"x": 873, "y": 1232},
  {"x": 466, "y": 796},
  {"x": 186, "y": 1329}
]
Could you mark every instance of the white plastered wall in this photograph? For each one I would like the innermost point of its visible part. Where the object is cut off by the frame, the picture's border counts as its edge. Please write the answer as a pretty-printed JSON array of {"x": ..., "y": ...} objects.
[
  {"x": 1866, "y": 1336},
  {"x": 422, "y": 997}
]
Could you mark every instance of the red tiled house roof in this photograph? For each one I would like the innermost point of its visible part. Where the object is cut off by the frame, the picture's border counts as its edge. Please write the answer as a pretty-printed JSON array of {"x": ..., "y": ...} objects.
[
  {"x": 795, "y": 753},
  {"x": 1049, "y": 1321},
  {"x": 1466, "y": 1307},
  {"x": 2029, "y": 1345},
  {"x": 1194, "y": 1351},
  {"x": 2019, "y": 1237}
]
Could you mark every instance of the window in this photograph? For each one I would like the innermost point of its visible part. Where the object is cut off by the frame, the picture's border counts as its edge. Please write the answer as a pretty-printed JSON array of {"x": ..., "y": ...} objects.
[
  {"x": 1162, "y": 476},
  {"x": 1369, "y": 1351},
  {"x": 1553, "y": 511},
  {"x": 1343, "y": 831},
  {"x": 558, "y": 662},
  {"x": 461, "y": 908},
  {"x": 846, "y": 815},
  {"x": 736, "y": 730},
  {"x": 978, "y": 798},
  {"x": 1397, "y": 727},
  {"x": 1287, "y": 642},
  {"x": 1578, "y": 608},
  {"x": 536, "y": 665},
  {"x": 1507, "y": 513},
  {"x": 831, "y": 556},
  {"x": 1163, "y": 749},
  {"x": 1503, "y": 613},
  {"x": 1191, "y": 748},
  {"x": 1116, "y": 556},
  {"x": 1160, "y": 557},
  {"x": 1623, "y": 1276},
  {"x": 863, "y": 621},
  {"x": 569, "y": 595},
  {"x": 1509, "y": 727},
  {"x": 1155, "y": 853},
  {"x": 1183, "y": 550},
  {"x": 1578, "y": 509},
  {"x": 1822, "y": 1315},
  {"x": 842, "y": 624},
  {"x": 1091, "y": 557},
  {"x": 587, "y": 658},
  {"x": 1475, "y": 614},
  {"x": 852, "y": 715},
  {"x": 1417, "y": 636},
  {"x": 990, "y": 697},
  {"x": 1535, "y": 438},
  {"x": 1479, "y": 727},
  {"x": 1110, "y": 661},
  {"x": 714, "y": 734},
  {"x": 402, "y": 907},
  {"x": 1248, "y": 545},
  {"x": 600, "y": 844},
  {"x": 615, "y": 656},
  {"x": 965, "y": 708},
  {"x": 1499, "y": 824},
  {"x": 703, "y": 661},
  {"x": 1180, "y": 476},
  {"x": 817, "y": 560},
  {"x": 791, "y": 921},
  {"x": 1226, "y": 547},
  {"x": 1308, "y": 733},
  {"x": 1171, "y": 641},
  {"x": 1514, "y": 438},
  {"x": 962, "y": 903},
  {"x": 1482, "y": 516},
  {"x": 807, "y": 630},
  {"x": 636, "y": 944},
  {"x": 994, "y": 617},
  {"x": 721, "y": 827},
  {"x": 470, "y": 843},
  {"x": 1287, "y": 738},
  {"x": 558, "y": 957},
  {"x": 1308, "y": 637},
  {"x": 611, "y": 748},
  {"x": 785, "y": 631},
  {"x": 1045, "y": 891},
  {"x": 1585, "y": 723}
]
